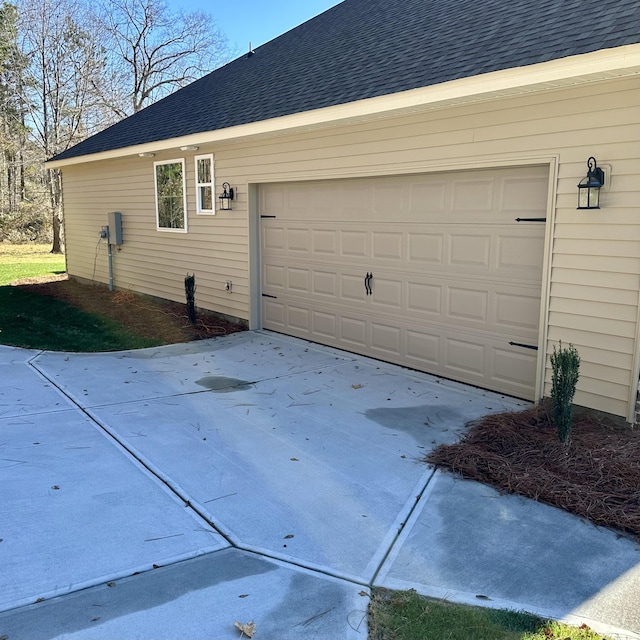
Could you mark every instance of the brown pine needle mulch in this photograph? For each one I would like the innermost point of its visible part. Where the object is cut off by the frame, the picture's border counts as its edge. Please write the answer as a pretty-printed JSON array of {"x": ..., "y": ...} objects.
[
  {"x": 596, "y": 476},
  {"x": 163, "y": 320}
]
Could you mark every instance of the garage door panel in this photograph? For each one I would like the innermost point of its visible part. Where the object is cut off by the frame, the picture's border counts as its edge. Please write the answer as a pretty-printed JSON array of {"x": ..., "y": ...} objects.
[
  {"x": 423, "y": 349},
  {"x": 298, "y": 280},
  {"x": 425, "y": 248},
  {"x": 464, "y": 359},
  {"x": 352, "y": 287},
  {"x": 470, "y": 251},
  {"x": 298, "y": 240},
  {"x": 356, "y": 199},
  {"x": 325, "y": 283},
  {"x": 354, "y": 244},
  {"x": 513, "y": 367},
  {"x": 387, "y": 245},
  {"x": 298, "y": 317},
  {"x": 387, "y": 292},
  {"x": 353, "y": 332},
  {"x": 387, "y": 339},
  {"x": 274, "y": 314},
  {"x": 517, "y": 311},
  {"x": 455, "y": 278},
  {"x": 519, "y": 255},
  {"x": 472, "y": 196},
  {"x": 274, "y": 276},
  {"x": 468, "y": 304},
  {"x": 524, "y": 196},
  {"x": 325, "y": 325},
  {"x": 428, "y": 199},
  {"x": 424, "y": 298},
  {"x": 325, "y": 242},
  {"x": 296, "y": 198},
  {"x": 273, "y": 239},
  {"x": 272, "y": 199}
]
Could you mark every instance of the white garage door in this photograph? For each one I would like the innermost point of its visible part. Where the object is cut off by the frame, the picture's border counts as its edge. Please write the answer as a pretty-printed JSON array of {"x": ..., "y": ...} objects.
[{"x": 432, "y": 271}]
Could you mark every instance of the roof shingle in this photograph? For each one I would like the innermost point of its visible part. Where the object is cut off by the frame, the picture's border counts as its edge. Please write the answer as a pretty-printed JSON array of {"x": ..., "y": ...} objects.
[{"x": 368, "y": 48}]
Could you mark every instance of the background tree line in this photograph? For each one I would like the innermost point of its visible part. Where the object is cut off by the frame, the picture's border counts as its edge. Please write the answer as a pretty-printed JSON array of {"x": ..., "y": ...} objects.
[{"x": 69, "y": 68}]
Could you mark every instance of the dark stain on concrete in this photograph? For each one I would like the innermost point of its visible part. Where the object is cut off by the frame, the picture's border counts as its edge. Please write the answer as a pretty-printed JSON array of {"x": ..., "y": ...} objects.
[
  {"x": 223, "y": 384},
  {"x": 425, "y": 423}
]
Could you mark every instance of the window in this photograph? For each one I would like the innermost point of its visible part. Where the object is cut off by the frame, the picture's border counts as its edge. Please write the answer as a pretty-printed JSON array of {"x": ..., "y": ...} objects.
[
  {"x": 171, "y": 205},
  {"x": 204, "y": 184}
]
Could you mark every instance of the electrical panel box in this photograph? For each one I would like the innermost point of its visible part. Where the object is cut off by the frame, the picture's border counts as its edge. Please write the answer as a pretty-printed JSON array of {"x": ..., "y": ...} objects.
[{"x": 114, "y": 219}]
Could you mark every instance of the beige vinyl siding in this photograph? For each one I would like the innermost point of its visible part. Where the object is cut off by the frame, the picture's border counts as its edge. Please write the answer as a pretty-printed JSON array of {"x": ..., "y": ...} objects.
[
  {"x": 593, "y": 271},
  {"x": 150, "y": 261}
]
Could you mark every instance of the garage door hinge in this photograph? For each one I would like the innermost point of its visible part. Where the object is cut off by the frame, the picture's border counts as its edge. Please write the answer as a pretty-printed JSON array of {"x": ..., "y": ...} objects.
[
  {"x": 531, "y": 219},
  {"x": 267, "y": 216},
  {"x": 266, "y": 295},
  {"x": 524, "y": 346}
]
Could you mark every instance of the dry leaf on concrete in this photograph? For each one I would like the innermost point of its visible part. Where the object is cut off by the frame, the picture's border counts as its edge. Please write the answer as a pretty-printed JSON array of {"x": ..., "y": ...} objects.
[
  {"x": 247, "y": 629},
  {"x": 356, "y": 386}
]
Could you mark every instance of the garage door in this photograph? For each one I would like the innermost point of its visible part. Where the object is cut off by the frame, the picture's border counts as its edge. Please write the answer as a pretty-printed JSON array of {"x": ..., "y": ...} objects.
[{"x": 438, "y": 272}]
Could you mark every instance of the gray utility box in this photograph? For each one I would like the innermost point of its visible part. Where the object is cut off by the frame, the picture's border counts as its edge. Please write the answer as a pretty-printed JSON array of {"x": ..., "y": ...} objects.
[{"x": 114, "y": 220}]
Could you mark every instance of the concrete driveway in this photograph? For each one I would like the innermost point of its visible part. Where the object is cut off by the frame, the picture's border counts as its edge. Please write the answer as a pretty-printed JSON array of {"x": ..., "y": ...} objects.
[{"x": 170, "y": 492}]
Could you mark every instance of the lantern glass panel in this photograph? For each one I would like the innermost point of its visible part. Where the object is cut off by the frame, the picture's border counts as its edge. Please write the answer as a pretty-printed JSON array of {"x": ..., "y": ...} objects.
[{"x": 588, "y": 197}]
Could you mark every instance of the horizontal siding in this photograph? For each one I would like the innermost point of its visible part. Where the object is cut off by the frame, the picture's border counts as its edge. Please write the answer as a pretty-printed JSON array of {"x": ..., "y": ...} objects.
[
  {"x": 596, "y": 340},
  {"x": 594, "y": 309},
  {"x": 563, "y": 291},
  {"x": 150, "y": 261},
  {"x": 595, "y": 261}
]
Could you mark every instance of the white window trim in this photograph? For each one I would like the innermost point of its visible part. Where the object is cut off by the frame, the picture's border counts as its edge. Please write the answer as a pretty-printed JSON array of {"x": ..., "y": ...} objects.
[
  {"x": 184, "y": 194},
  {"x": 212, "y": 184}
]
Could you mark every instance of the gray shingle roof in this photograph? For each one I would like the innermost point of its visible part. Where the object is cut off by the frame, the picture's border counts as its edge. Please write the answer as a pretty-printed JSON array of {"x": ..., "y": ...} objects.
[{"x": 366, "y": 48}]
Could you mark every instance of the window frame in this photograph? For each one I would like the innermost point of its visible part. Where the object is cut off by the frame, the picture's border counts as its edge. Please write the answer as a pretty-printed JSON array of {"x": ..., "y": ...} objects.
[
  {"x": 199, "y": 209},
  {"x": 181, "y": 162}
]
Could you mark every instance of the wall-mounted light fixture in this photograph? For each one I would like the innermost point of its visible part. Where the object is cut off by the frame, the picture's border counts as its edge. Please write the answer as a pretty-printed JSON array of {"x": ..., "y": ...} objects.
[
  {"x": 146, "y": 154},
  {"x": 189, "y": 147},
  {"x": 226, "y": 197},
  {"x": 589, "y": 187}
]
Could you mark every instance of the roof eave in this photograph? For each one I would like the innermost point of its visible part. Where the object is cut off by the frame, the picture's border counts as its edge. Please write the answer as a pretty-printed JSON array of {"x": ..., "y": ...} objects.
[{"x": 591, "y": 67}]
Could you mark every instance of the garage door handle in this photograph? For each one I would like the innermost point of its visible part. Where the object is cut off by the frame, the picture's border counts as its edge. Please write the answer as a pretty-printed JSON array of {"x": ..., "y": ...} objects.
[
  {"x": 367, "y": 284},
  {"x": 524, "y": 346}
]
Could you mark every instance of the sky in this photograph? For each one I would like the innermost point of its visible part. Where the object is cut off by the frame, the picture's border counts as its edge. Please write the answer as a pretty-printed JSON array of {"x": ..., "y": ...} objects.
[{"x": 255, "y": 21}]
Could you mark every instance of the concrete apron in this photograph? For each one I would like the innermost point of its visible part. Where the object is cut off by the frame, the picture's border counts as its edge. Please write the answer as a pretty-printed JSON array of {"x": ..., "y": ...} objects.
[{"x": 170, "y": 492}]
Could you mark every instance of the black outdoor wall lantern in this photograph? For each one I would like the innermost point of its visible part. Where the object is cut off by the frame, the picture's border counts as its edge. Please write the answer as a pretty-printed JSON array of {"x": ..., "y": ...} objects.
[
  {"x": 226, "y": 197},
  {"x": 589, "y": 186}
]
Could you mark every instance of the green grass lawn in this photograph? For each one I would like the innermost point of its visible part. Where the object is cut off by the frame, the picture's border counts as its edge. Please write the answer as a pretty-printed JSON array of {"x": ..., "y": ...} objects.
[
  {"x": 31, "y": 320},
  {"x": 19, "y": 261},
  {"x": 404, "y": 615}
]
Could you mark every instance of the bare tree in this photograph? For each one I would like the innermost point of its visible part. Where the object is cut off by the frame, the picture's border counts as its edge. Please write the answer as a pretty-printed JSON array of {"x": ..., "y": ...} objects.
[
  {"x": 155, "y": 51},
  {"x": 69, "y": 68},
  {"x": 64, "y": 58},
  {"x": 12, "y": 112}
]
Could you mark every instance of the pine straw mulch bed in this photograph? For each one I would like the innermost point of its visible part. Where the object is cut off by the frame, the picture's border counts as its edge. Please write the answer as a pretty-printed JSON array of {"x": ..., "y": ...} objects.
[
  {"x": 596, "y": 476},
  {"x": 161, "y": 320}
]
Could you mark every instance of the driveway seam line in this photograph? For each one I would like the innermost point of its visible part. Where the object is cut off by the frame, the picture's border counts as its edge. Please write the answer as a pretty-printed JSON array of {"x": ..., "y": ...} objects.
[
  {"x": 301, "y": 565},
  {"x": 390, "y": 549},
  {"x": 186, "y": 499},
  {"x": 133, "y": 455}
]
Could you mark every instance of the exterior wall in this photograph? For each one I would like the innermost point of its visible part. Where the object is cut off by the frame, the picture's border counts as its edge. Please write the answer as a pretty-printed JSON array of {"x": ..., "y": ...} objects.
[
  {"x": 149, "y": 261},
  {"x": 593, "y": 269}
]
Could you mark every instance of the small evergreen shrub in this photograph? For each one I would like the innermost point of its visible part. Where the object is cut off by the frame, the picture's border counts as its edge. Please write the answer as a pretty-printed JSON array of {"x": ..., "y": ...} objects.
[
  {"x": 565, "y": 363},
  {"x": 190, "y": 292}
]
